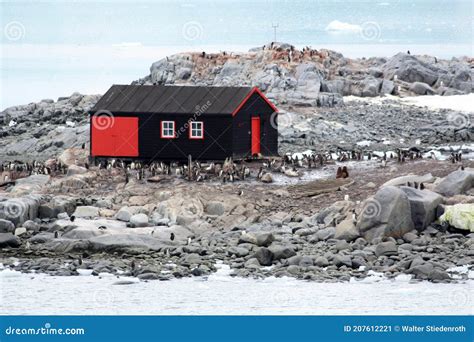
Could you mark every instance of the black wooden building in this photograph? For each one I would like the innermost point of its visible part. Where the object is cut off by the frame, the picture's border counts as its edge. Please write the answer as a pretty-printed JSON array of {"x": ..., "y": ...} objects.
[{"x": 150, "y": 122}]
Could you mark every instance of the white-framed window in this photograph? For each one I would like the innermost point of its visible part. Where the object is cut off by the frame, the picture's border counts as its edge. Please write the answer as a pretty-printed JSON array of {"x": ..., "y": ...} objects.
[
  {"x": 196, "y": 130},
  {"x": 167, "y": 129}
]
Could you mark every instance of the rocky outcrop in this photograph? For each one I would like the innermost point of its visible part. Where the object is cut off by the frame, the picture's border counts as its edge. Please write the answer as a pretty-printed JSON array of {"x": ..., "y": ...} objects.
[
  {"x": 388, "y": 213},
  {"x": 314, "y": 77},
  {"x": 456, "y": 183}
]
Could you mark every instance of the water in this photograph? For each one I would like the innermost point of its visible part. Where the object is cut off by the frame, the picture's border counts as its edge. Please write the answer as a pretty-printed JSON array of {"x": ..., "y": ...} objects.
[
  {"x": 53, "y": 48},
  {"x": 220, "y": 294}
]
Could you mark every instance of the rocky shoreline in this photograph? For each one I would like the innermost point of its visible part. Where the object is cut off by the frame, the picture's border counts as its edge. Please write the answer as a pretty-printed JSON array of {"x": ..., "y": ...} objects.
[
  {"x": 149, "y": 231},
  {"x": 61, "y": 216}
]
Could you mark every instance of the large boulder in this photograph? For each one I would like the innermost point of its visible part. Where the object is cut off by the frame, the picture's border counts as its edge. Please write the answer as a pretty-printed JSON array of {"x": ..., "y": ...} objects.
[
  {"x": 421, "y": 88},
  {"x": 20, "y": 210},
  {"x": 9, "y": 240},
  {"x": 423, "y": 204},
  {"x": 388, "y": 213},
  {"x": 6, "y": 226},
  {"x": 460, "y": 216},
  {"x": 456, "y": 183},
  {"x": 409, "y": 68}
]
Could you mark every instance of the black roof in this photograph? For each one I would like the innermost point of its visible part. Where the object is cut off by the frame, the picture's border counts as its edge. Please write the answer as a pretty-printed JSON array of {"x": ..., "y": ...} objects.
[{"x": 172, "y": 99}]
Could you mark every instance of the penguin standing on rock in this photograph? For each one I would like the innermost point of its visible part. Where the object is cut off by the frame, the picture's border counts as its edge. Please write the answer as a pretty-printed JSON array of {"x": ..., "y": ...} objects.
[{"x": 172, "y": 236}]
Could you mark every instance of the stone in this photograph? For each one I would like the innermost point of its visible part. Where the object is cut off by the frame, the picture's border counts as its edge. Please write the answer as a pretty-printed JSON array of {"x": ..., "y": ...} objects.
[
  {"x": 423, "y": 204},
  {"x": 342, "y": 260},
  {"x": 326, "y": 233},
  {"x": 409, "y": 237},
  {"x": 265, "y": 239},
  {"x": 264, "y": 256},
  {"x": 215, "y": 208},
  {"x": 346, "y": 230},
  {"x": 31, "y": 225},
  {"x": 387, "y": 87},
  {"x": 387, "y": 214},
  {"x": 456, "y": 183},
  {"x": 125, "y": 213},
  {"x": 386, "y": 248},
  {"x": 238, "y": 251},
  {"x": 252, "y": 263},
  {"x": 6, "y": 226},
  {"x": 9, "y": 240},
  {"x": 422, "y": 271},
  {"x": 321, "y": 261},
  {"x": 18, "y": 210},
  {"x": 421, "y": 88},
  {"x": 247, "y": 238},
  {"x": 460, "y": 216},
  {"x": 20, "y": 231},
  {"x": 148, "y": 276},
  {"x": 438, "y": 275},
  {"x": 86, "y": 211},
  {"x": 306, "y": 261},
  {"x": 281, "y": 252},
  {"x": 342, "y": 245},
  {"x": 267, "y": 178},
  {"x": 76, "y": 170},
  {"x": 139, "y": 220}
]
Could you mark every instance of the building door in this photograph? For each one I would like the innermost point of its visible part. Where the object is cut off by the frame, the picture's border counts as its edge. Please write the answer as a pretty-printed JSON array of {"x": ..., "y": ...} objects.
[
  {"x": 255, "y": 135},
  {"x": 114, "y": 136}
]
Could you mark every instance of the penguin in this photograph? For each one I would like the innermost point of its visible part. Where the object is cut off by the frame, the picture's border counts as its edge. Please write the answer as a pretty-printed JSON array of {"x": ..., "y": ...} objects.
[
  {"x": 72, "y": 218},
  {"x": 422, "y": 186},
  {"x": 102, "y": 228},
  {"x": 339, "y": 172},
  {"x": 56, "y": 234},
  {"x": 172, "y": 236},
  {"x": 189, "y": 240},
  {"x": 83, "y": 146}
]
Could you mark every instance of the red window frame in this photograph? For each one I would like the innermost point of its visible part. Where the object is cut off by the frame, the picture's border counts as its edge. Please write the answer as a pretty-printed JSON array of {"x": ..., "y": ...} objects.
[
  {"x": 162, "y": 122},
  {"x": 191, "y": 129}
]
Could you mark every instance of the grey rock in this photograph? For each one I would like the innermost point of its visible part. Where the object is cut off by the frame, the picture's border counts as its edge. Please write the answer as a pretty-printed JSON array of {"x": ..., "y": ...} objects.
[
  {"x": 76, "y": 170},
  {"x": 264, "y": 256},
  {"x": 9, "y": 240},
  {"x": 456, "y": 183},
  {"x": 281, "y": 252},
  {"x": 86, "y": 211},
  {"x": 31, "y": 225},
  {"x": 247, "y": 238},
  {"x": 388, "y": 213},
  {"x": 326, "y": 233},
  {"x": 238, "y": 251},
  {"x": 306, "y": 261},
  {"x": 6, "y": 226},
  {"x": 252, "y": 263},
  {"x": 267, "y": 178},
  {"x": 423, "y": 204},
  {"x": 265, "y": 239},
  {"x": 321, "y": 261},
  {"x": 386, "y": 248},
  {"x": 346, "y": 230},
  {"x": 421, "y": 88},
  {"x": 342, "y": 260},
  {"x": 139, "y": 220},
  {"x": 215, "y": 208}
]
